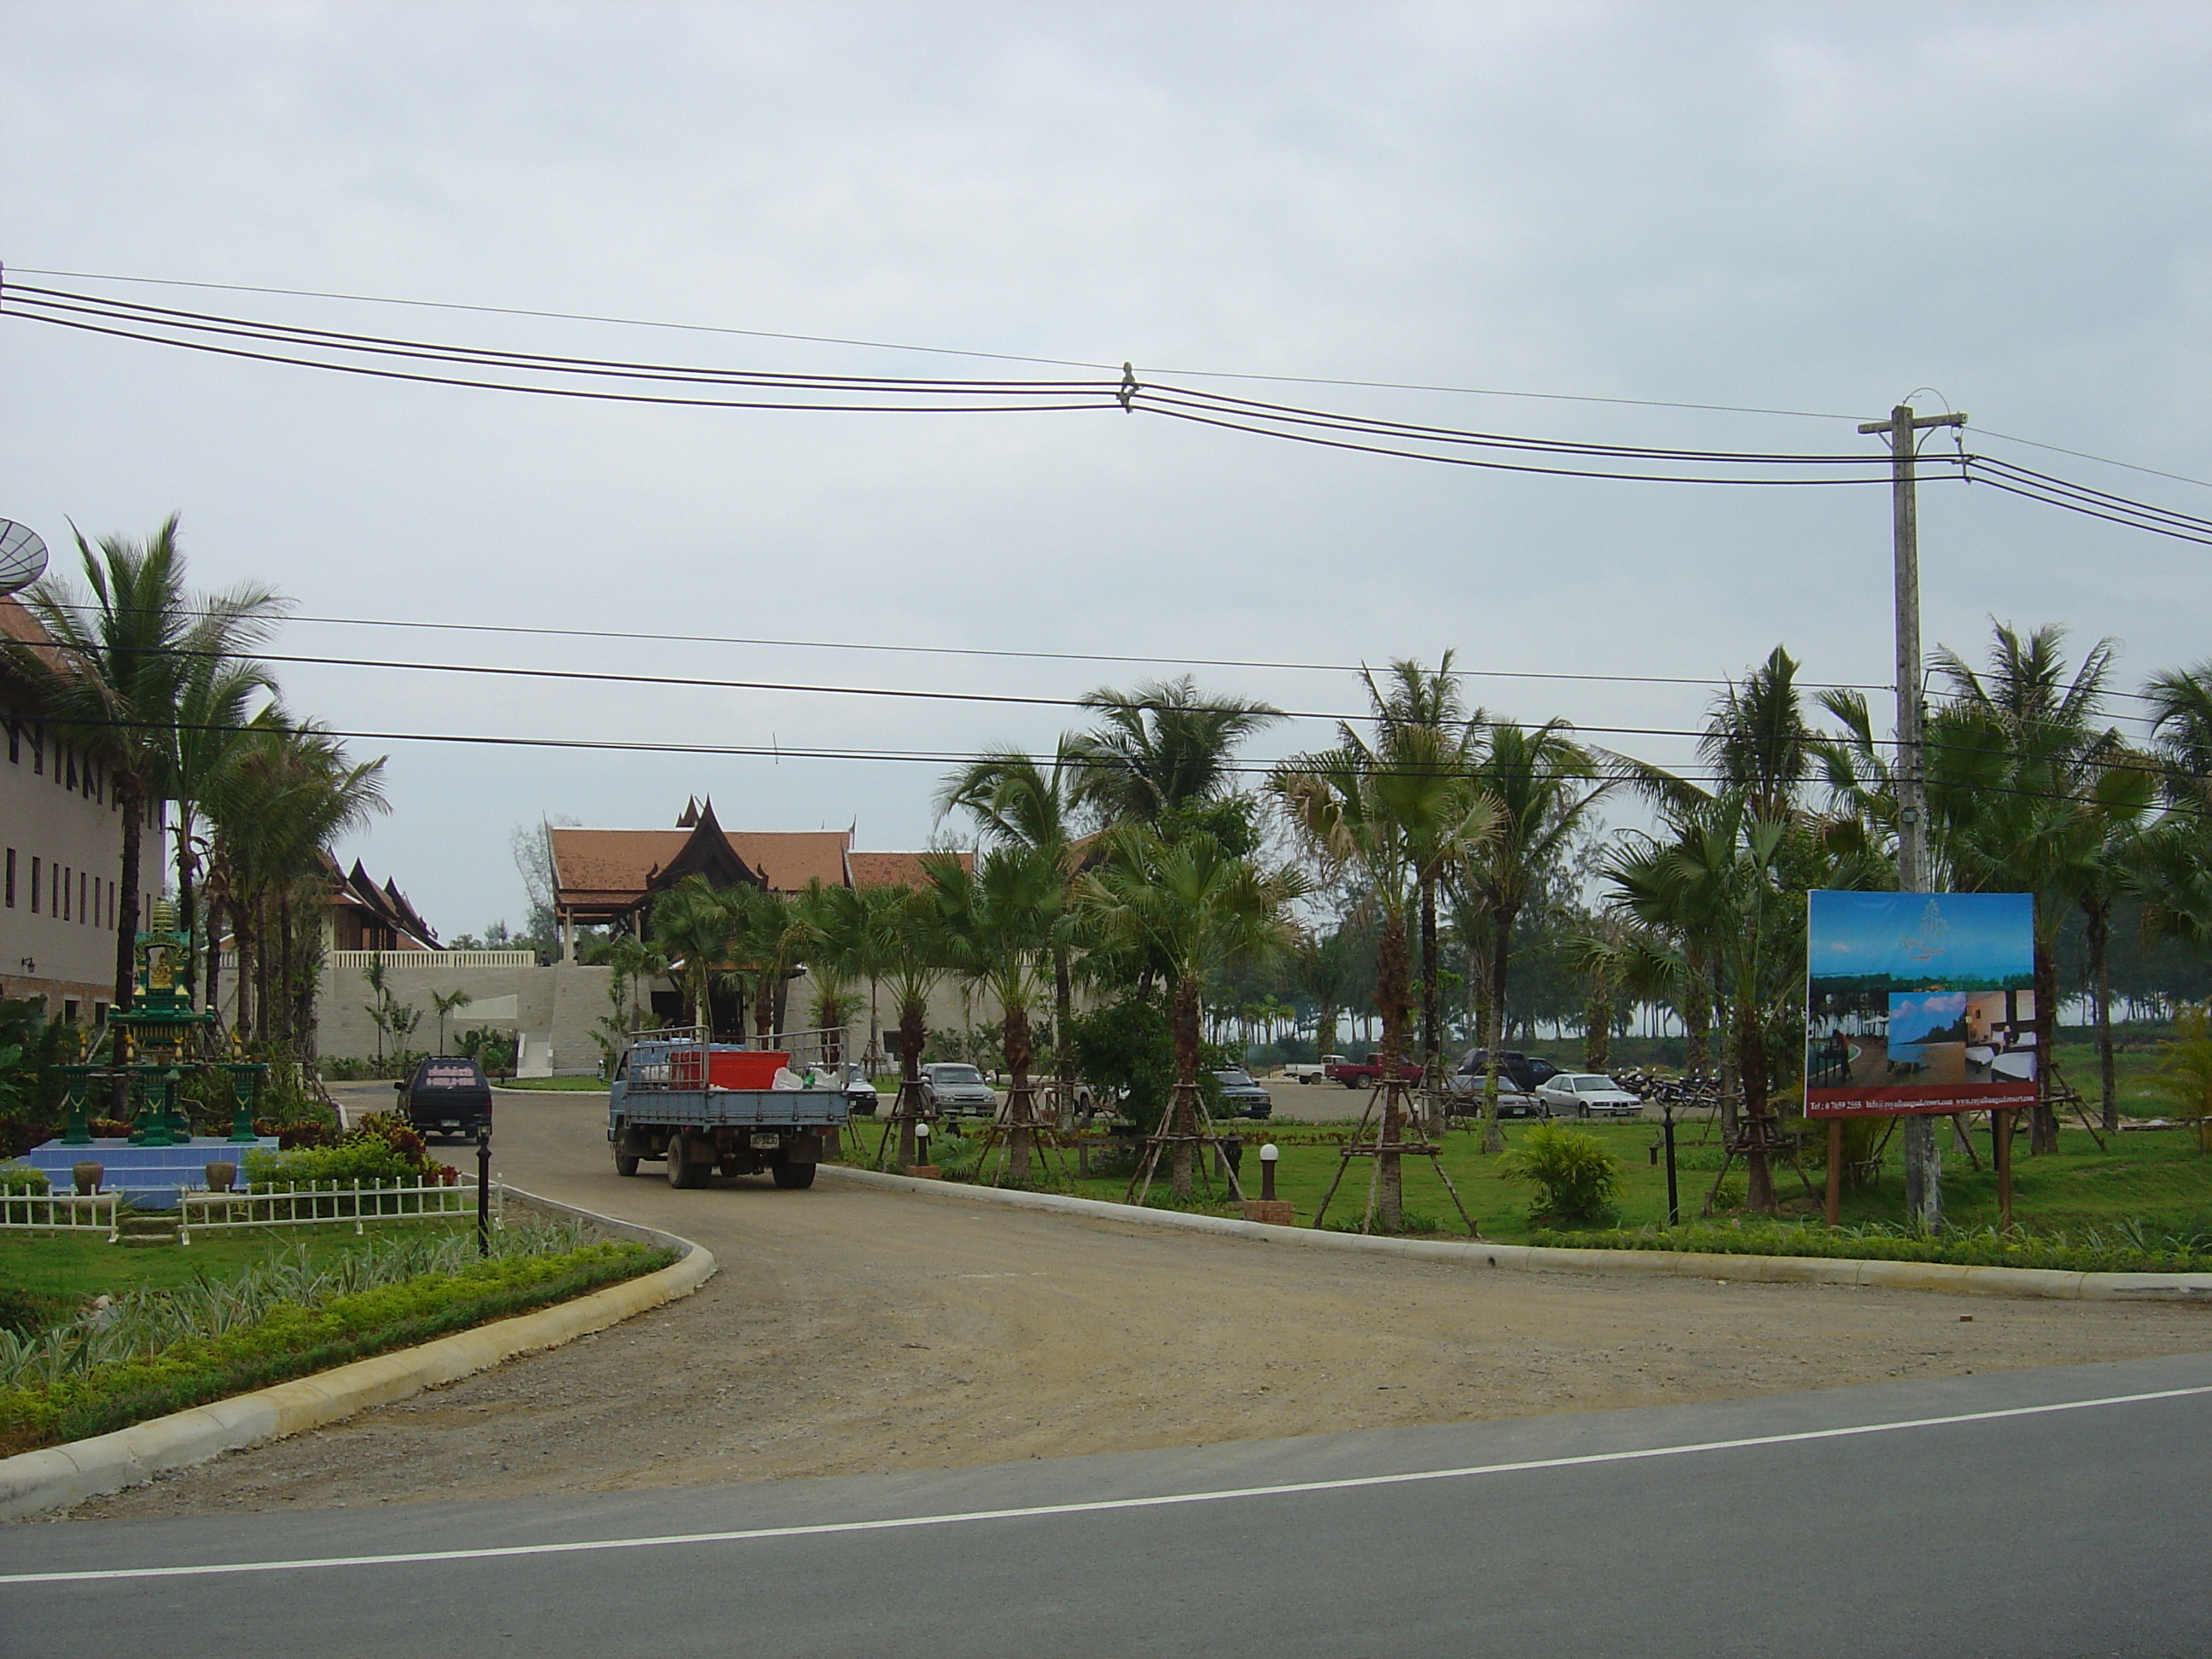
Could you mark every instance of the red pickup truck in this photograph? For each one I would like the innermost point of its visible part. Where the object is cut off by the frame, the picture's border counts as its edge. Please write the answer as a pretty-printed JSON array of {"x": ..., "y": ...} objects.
[{"x": 1366, "y": 1074}]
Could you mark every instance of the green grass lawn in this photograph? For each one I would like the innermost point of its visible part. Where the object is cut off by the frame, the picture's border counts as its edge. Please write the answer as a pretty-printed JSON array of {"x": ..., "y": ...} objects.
[
  {"x": 2157, "y": 1177},
  {"x": 589, "y": 1085},
  {"x": 83, "y": 1266}
]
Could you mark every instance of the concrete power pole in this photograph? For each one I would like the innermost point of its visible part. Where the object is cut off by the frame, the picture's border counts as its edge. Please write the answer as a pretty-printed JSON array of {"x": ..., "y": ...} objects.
[{"x": 1923, "y": 1156}]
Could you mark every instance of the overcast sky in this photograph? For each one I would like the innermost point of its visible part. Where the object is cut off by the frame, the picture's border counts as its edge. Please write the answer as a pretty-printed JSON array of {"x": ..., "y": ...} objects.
[{"x": 1802, "y": 208}]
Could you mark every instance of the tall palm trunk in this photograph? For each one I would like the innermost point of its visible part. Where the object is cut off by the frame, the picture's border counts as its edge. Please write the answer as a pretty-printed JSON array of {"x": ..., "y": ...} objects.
[
  {"x": 765, "y": 984},
  {"x": 1182, "y": 1121},
  {"x": 914, "y": 1033},
  {"x": 263, "y": 978},
  {"x": 130, "y": 803},
  {"x": 1063, "y": 1015},
  {"x": 242, "y": 927},
  {"x": 1432, "y": 1005},
  {"x": 2043, "y": 1128},
  {"x": 1393, "y": 1001},
  {"x": 1751, "y": 1075},
  {"x": 1014, "y": 1033},
  {"x": 212, "y": 975},
  {"x": 287, "y": 972},
  {"x": 2098, "y": 925},
  {"x": 187, "y": 903},
  {"x": 1494, "y": 1138}
]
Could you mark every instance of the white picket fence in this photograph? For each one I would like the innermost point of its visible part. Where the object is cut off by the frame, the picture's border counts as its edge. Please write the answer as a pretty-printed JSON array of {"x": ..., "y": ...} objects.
[
  {"x": 65, "y": 1213},
  {"x": 322, "y": 1204}
]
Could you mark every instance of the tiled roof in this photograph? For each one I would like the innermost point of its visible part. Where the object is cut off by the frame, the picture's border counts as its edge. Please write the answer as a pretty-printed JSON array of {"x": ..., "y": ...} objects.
[
  {"x": 16, "y": 622},
  {"x": 598, "y": 867},
  {"x": 893, "y": 869}
]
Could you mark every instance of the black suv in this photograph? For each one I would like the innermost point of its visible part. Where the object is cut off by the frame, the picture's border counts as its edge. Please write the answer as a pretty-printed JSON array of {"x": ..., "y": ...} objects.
[
  {"x": 446, "y": 1096},
  {"x": 1524, "y": 1072},
  {"x": 1240, "y": 1096}
]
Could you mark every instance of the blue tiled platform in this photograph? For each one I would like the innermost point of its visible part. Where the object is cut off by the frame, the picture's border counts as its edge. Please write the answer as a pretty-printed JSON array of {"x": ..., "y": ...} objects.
[{"x": 149, "y": 1176}]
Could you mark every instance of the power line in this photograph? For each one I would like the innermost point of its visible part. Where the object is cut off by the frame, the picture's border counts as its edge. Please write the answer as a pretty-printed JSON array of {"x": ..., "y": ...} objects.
[
  {"x": 165, "y": 325},
  {"x": 793, "y": 390},
  {"x": 779, "y": 751},
  {"x": 640, "y": 636},
  {"x": 946, "y": 351}
]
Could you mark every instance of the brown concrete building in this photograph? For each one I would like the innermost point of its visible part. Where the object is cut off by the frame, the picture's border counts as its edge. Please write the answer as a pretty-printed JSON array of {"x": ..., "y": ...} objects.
[{"x": 61, "y": 850}]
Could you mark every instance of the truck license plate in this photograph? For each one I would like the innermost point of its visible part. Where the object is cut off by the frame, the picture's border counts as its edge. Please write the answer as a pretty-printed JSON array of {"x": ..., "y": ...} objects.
[{"x": 766, "y": 1140}]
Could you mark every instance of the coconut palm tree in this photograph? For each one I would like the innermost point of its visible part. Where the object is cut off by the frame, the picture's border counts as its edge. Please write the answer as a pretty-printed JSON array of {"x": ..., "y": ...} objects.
[
  {"x": 1542, "y": 786},
  {"x": 1425, "y": 730},
  {"x": 2027, "y": 792},
  {"x": 1017, "y": 800},
  {"x": 117, "y": 672},
  {"x": 1359, "y": 812},
  {"x": 1161, "y": 749},
  {"x": 214, "y": 713},
  {"x": 285, "y": 798},
  {"x": 694, "y": 928},
  {"x": 995, "y": 924},
  {"x": 1201, "y": 910}
]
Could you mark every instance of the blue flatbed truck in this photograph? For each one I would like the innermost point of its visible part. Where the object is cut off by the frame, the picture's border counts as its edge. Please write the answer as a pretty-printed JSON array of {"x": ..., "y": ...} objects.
[{"x": 703, "y": 1106}]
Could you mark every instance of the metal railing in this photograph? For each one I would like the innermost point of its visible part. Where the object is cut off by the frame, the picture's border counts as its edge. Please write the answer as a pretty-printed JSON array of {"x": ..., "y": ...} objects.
[
  {"x": 63, "y": 1213},
  {"x": 328, "y": 1203},
  {"x": 436, "y": 958}
]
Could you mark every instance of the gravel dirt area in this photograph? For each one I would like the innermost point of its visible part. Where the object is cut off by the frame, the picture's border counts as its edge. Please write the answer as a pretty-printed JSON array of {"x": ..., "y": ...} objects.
[{"x": 851, "y": 1330}]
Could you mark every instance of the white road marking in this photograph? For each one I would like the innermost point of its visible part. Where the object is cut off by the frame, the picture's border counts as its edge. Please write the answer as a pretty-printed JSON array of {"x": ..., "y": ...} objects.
[{"x": 1166, "y": 1500}]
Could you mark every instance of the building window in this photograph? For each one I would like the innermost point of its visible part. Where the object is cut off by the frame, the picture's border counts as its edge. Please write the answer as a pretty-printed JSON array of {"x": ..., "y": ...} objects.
[
  {"x": 34, "y": 887},
  {"x": 100, "y": 1013},
  {"x": 38, "y": 749},
  {"x": 14, "y": 740},
  {"x": 70, "y": 1007},
  {"x": 82, "y": 914},
  {"x": 62, "y": 891},
  {"x": 11, "y": 879}
]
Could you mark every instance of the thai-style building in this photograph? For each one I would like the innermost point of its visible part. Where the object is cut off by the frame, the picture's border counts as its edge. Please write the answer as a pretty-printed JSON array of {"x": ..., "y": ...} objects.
[{"x": 610, "y": 878}]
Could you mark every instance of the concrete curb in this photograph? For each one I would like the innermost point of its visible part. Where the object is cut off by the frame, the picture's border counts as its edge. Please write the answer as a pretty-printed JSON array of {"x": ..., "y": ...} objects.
[
  {"x": 2029, "y": 1282},
  {"x": 57, "y": 1476}
]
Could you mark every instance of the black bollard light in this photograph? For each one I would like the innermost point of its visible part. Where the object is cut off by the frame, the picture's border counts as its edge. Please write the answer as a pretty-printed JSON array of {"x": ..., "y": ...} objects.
[
  {"x": 1667, "y": 1131},
  {"x": 483, "y": 1189},
  {"x": 1269, "y": 1155}
]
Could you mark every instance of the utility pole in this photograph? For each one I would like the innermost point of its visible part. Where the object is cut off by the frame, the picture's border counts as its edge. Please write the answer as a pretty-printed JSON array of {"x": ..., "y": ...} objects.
[{"x": 1923, "y": 1156}]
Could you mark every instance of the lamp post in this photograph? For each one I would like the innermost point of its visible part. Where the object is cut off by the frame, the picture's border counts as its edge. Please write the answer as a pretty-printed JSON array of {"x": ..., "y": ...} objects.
[
  {"x": 1666, "y": 1134},
  {"x": 483, "y": 1189}
]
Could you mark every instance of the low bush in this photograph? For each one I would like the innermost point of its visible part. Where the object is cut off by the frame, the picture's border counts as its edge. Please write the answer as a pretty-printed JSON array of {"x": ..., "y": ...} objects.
[
  {"x": 19, "y": 1178},
  {"x": 382, "y": 1146},
  {"x": 2126, "y": 1247},
  {"x": 1577, "y": 1180},
  {"x": 153, "y": 1353}
]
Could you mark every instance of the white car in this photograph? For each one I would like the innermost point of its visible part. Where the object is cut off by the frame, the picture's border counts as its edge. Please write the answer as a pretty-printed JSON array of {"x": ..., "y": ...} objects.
[{"x": 1587, "y": 1094}]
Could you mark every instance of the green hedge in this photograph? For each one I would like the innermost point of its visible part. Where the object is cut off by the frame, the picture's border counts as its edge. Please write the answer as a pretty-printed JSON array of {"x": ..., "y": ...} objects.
[
  {"x": 2122, "y": 1249},
  {"x": 297, "y": 1341}
]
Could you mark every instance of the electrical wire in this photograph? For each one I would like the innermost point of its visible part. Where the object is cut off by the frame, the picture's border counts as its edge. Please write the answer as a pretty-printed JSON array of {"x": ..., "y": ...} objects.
[
  {"x": 336, "y": 351},
  {"x": 949, "y": 351},
  {"x": 779, "y": 752}
]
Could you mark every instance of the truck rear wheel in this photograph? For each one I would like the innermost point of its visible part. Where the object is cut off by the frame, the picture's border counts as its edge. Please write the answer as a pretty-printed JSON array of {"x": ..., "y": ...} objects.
[
  {"x": 625, "y": 1163},
  {"x": 686, "y": 1167},
  {"x": 792, "y": 1176}
]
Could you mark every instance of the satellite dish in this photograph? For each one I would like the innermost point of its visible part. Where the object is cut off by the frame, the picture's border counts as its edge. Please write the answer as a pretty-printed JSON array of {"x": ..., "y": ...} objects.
[{"x": 22, "y": 556}]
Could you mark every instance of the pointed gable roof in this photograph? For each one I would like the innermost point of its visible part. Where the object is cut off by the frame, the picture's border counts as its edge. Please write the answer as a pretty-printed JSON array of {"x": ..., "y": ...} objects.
[{"x": 705, "y": 852}]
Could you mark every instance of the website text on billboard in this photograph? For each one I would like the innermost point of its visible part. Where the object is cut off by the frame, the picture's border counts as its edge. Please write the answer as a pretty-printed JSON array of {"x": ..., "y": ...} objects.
[{"x": 1919, "y": 1002}]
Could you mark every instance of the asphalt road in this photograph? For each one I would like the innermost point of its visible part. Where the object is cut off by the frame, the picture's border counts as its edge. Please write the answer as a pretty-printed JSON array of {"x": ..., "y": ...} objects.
[{"x": 1957, "y": 1517}]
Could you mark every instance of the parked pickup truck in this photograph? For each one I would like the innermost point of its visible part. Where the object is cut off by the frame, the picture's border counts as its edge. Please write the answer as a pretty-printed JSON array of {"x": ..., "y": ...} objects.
[
  {"x": 703, "y": 1106},
  {"x": 1306, "y": 1071},
  {"x": 1366, "y": 1074}
]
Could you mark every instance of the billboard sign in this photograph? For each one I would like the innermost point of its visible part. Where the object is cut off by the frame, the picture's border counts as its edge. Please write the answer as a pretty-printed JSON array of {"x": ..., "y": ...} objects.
[{"x": 1919, "y": 1002}]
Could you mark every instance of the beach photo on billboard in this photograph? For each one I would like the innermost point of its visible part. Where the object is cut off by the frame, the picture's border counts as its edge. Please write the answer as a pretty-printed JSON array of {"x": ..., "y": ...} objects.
[{"x": 1918, "y": 1001}]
